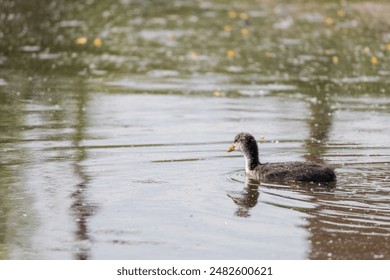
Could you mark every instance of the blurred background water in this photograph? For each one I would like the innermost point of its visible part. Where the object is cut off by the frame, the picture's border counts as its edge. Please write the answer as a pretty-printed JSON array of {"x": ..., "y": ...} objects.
[{"x": 115, "y": 118}]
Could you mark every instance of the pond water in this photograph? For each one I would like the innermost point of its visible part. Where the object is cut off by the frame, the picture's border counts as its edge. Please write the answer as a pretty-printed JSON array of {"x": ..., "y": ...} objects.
[{"x": 115, "y": 120}]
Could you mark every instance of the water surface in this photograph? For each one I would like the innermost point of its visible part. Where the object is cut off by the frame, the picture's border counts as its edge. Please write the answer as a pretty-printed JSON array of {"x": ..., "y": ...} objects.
[{"x": 115, "y": 120}]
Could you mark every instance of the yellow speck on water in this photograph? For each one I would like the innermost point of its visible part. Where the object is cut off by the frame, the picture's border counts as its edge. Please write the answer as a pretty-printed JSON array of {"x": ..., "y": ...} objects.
[
  {"x": 194, "y": 55},
  {"x": 230, "y": 53},
  {"x": 244, "y": 16},
  {"x": 244, "y": 31},
  {"x": 262, "y": 138},
  {"x": 97, "y": 42},
  {"x": 232, "y": 14},
  {"x": 340, "y": 13},
  {"x": 329, "y": 21},
  {"x": 217, "y": 93},
  {"x": 374, "y": 60},
  {"x": 269, "y": 54},
  {"x": 81, "y": 40},
  {"x": 227, "y": 28},
  {"x": 335, "y": 59},
  {"x": 388, "y": 47}
]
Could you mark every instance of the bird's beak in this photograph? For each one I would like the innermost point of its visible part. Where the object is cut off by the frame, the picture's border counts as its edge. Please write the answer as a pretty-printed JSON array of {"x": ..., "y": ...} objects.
[{"x": 231, "y": 148}]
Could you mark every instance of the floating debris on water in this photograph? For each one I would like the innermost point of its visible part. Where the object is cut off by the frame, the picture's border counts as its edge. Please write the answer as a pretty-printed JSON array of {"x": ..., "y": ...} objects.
[
  {"x": 194, "y": 55},
  {"x": 340, "y": 13},
  {"x": 97, "y": 42},
  {"x": 244, "y": 16},
  {"x": 244, "y": 31},
  {"x": 217, "y": 93},
  {"x": 232, "y": 14},
  {"x": 228, "y": 28},
  {"x": 230, "y": 53},
  {"x": 81, "y": 40},
  {"x": 329, "y": 20},
  {"x": 171, "y": 36}
]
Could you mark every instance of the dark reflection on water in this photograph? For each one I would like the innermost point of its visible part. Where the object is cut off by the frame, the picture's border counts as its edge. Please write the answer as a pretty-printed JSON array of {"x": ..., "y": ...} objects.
[
  {"x": 248, "y": 198},
  {"x": 319, "y": 122},
  {"x": 332, "y": 236},
  {"x": 82, "y": 208}
]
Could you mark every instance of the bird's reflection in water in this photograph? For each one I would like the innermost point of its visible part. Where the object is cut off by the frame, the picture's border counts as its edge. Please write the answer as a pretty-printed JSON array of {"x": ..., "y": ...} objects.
[{"x": 246, "y": 199}]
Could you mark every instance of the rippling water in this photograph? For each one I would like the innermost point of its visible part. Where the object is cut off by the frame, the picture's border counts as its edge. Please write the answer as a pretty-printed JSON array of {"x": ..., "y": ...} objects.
[
  {"x": 148, "y": 176},
  {"x": 120, "y": 153}
]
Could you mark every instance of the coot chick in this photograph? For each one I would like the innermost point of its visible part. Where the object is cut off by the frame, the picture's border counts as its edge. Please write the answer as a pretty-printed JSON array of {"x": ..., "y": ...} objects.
[{"x": 278, "y": 172}]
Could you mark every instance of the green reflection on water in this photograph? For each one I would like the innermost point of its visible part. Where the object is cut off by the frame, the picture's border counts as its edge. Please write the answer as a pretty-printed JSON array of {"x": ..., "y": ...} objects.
[
  {"x": 15, "y": 203},
  {"x": 298, "y": 41}
]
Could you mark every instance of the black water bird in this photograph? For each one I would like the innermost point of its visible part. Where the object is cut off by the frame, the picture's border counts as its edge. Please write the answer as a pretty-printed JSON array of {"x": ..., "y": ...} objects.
[{"x": 279, "y": 172}]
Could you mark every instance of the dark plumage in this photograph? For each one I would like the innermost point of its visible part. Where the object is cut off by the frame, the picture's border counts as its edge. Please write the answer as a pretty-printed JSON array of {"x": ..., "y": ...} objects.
[{"x": 289, "y": 171}]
